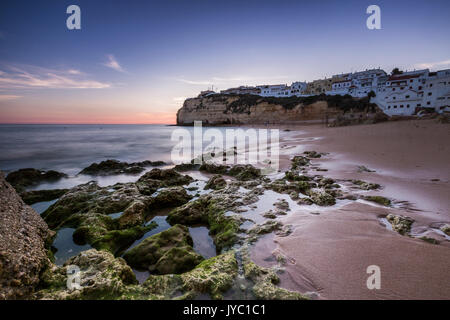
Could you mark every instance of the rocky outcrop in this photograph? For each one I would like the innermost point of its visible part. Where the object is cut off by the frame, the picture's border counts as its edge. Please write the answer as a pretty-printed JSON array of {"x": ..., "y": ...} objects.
[
  {"x": 229, "y": 109},
  {"x": 28, "y": 177},
  {"x": 220, "y": 109},
  {"x": 23, "y": 238},
  {"x": 167, "y": 252},
  {"x": 112, "y": 167},
  {"x": 100, "y": 275}
]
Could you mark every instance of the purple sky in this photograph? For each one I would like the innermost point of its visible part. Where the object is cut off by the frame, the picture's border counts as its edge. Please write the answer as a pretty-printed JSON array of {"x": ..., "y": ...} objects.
[{"x": 136, "y": 61}]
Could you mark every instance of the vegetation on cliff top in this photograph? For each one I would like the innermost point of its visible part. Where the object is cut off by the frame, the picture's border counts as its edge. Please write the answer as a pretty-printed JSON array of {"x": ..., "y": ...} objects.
[{"x": 242, "y": 103}]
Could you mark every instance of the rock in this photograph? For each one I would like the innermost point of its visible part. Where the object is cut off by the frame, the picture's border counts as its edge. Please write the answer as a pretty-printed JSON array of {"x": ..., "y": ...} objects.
[
  {"x": 213, "y": 168},
  {"x": 265, "y": 281},
  {"x": 213, "y": 276},
  {"x": 244, "y": 172},
  {"x": 169, "y": 251},
  {"x": 429, "y": 240},
  {"x": 446, "y": 229},
  {"x": 210, "y": 210},
  {"x": 31, "y": 197},
  {"x": 169, "y": 198},
  {"x": 267, "y": 227},
  {"x": 366, "y": 185},
  {"x": 364, "y": 169},
  {"x": 222, "y": 109},
  {"x": 269, "y": 215},
  {"x": 216, "y": 182},
  {"x": 283, "y": 186},
  {"x": 284, "y": 231},
  {"x": 378, "y": 199},
  {"x": 401, "y": 224},
  {"x": 294, "y": 175},
  {"x": 322, "y": 198},
  {"x": 24, "y": 178},
  {"x": 282, "y": 204},
  {"x": 113, "y": 167},
  {"x": 90, "y": 197},
  {"x": 305, "y": 201},
  {"x": 186, "y": 167},
  {"x": 24, "y": 238},
  {"x": 299, "y": 161},
  {"x": 313, "y": 154},
  {"x": 157, "y": 178},
  {"x": 101, "y": 277}
]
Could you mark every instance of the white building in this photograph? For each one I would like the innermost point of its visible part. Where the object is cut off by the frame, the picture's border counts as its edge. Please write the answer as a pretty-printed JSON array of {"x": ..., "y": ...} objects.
[
  {"x": 399, "y": 94},
  {"x": 405, "y": 93}
]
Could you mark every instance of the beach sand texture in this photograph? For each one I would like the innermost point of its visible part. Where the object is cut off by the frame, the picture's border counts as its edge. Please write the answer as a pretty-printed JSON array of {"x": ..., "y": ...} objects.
[{"x": 329, "y": 252}]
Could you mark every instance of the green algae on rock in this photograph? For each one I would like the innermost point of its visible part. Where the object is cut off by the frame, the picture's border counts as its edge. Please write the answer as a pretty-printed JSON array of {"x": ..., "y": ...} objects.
[
  {"x": 379, "y": 199},
  {"x": 244, "y": 172},
  {"x": 366, "y": 185},
  {"x": 169, "y": 251},
  {"x": 213, "y": 276},
  {"x": 101, "y": 277},
  {"x": 401, "y": 224},
  {"x": 216, "y": 182},
  {"x": 322, "y": 198},
  {"x": 31, "y": 197},
  {"x": 210, "y": 211},
  {"x": 28, "y": 177},
  {"x": 446, "y": 229},
  {"x": 265, "y": 281},
  {"x": 112, "y": 167}
]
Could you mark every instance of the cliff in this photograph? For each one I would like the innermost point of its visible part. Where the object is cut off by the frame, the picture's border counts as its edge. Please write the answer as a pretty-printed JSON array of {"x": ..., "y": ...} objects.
[
  {"x": 250, "y": 109},
  {"x": 23, "y": 236}
]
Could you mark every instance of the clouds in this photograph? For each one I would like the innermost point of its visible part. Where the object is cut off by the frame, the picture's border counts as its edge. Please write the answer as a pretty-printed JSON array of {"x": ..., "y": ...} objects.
[
  {"x": 26, "y": 77},
  {"x": 112, "y": 63},
  {"x": 8, "y": 97},
  {"x": 240, "y": 80},
  {"x": 434, "y": 65}
]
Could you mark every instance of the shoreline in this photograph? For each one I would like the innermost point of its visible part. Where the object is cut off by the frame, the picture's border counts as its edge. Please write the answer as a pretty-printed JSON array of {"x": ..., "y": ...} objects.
[{"x": 330, "y": 252}]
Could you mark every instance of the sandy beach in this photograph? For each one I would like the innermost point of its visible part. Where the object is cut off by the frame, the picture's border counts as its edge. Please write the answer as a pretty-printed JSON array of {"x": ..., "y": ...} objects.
[{"x": 328, "y": 253}]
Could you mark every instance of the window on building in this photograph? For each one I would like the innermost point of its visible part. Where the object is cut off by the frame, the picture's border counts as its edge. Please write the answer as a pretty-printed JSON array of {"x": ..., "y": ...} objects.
[
  {"x": 429, "y": 93},
  {"x": 420, "y": 87},
  {"x": 407, "y": 105},
  {"x": 395, "y": 107},
  {"x": 401, "y": 106},
  {"x": 428, "y": 103},
  {"x": 418, "y": 104}
]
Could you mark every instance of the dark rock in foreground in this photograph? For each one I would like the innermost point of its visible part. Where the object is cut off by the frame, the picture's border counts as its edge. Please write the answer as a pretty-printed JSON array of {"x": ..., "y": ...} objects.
[
  {"x": 112, "y": 167},
  {"x": 31, "y": 197},
  {"x": 23, "y": 178},
  {"x": 23, "y": 238}
]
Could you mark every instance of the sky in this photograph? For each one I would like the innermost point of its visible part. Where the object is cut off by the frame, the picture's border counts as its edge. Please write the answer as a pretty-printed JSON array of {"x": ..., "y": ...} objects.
[{"x": 137, "y": 61}]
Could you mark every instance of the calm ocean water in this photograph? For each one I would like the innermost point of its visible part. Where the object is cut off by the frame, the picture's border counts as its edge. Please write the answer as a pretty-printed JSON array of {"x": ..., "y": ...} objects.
[{"x": 69, "y": 148}]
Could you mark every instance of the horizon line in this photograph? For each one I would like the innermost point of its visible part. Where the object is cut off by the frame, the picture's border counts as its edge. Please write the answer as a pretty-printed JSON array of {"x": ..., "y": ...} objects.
[{"x": 64, "y": 123}]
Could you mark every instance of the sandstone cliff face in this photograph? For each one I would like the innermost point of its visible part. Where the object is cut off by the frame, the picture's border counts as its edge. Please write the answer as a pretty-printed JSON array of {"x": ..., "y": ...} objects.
[
  {"x": 23, "y": 234},
  {"x": 219, "y": 110}
]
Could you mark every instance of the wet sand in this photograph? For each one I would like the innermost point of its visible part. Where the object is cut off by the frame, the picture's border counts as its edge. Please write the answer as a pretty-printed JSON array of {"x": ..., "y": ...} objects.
[{"x": 330, "y": 252}]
